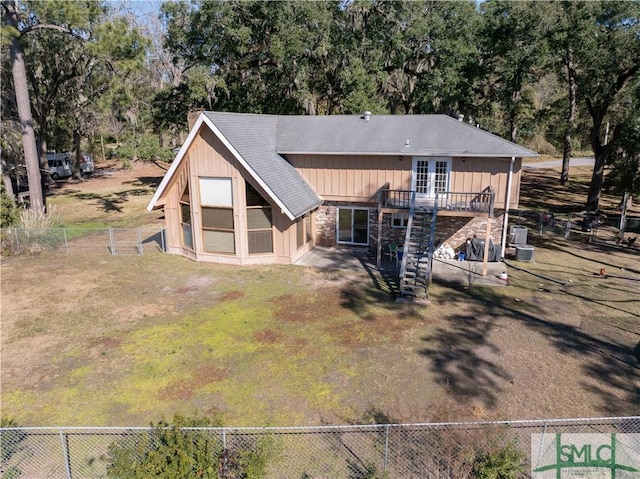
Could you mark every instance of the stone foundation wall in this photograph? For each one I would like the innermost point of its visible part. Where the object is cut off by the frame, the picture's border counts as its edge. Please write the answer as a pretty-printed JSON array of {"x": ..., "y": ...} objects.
[
  {"x": 452, "y": 230},
  {"x": 327, "y": 221},
  {"x": 455, "y": 231}
]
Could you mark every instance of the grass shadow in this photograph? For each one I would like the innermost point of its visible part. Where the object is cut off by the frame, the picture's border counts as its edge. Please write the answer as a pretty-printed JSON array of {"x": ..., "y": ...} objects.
[{"x": 462, "y": 355}]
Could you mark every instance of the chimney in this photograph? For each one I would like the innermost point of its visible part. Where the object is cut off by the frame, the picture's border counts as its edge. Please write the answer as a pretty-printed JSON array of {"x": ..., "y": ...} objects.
[{"x": 366, "y": 115}]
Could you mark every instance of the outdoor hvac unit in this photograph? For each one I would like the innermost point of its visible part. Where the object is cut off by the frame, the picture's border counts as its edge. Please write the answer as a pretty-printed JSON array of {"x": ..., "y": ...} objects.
[
  {"x": 524, "y": 252},
  {"x": 518, "y": 235}
]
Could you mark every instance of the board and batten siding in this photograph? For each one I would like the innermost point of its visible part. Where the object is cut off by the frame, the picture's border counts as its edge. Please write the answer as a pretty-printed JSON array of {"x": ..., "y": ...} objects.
[
  {"x": 358, "y": 178},
  {"x": 207, "y": 156}
]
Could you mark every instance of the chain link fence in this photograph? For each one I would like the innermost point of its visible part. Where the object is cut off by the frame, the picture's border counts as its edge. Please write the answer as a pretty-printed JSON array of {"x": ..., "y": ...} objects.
[
  {"x": 433, "y": 450},
  {"x": 133, "y": 241},
  {"x": 577, "y": 226}
]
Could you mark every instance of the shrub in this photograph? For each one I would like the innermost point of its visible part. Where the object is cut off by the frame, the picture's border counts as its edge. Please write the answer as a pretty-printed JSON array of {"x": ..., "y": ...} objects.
[
  {"x": 143, "y": 147},
  {"x": 503, "y": 462},
  {"x": 172, "y": 450},
  {"x": 8, "y": 211},
  {"x": 39, "y": 231}
]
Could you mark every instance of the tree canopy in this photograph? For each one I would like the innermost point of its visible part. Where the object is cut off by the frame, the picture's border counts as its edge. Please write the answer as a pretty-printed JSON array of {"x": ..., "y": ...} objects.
[{"x": 556, "y": 76}]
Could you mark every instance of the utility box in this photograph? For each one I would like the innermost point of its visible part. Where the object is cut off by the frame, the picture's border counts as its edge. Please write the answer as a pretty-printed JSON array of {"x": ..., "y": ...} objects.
[
  {"x": 518, "y": 234},
  {"x": 524, "y": 252}
]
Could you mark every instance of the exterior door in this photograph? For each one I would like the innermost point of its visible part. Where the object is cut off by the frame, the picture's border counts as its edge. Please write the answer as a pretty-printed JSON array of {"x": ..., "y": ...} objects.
[
  {"x": 353, "y": 225},
  {"x": 430, "y": 176}
]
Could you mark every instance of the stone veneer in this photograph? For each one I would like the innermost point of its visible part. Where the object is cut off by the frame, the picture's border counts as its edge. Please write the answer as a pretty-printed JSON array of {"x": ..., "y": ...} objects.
[{"x": 452, "y": 230}]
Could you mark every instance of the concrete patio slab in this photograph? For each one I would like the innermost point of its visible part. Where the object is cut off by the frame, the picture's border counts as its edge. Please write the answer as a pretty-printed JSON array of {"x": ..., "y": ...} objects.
[{"x": 361, "y": 260}]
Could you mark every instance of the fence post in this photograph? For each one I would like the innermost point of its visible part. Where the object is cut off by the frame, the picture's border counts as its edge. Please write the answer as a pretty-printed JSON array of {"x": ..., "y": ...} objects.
[
  {"x": 386, "y": 447},
  {"x": 66, "y": 244},
  {"x": 112, "y": 248},
  {"x": 164, "y": 246},
  {"x": 224, "y": 439},
  {"x": 15, "y": 230},
  {"x": 541, "y": 224},
  {"x": 64, "y": 440},
  {"x": 567, "y": 233},
  {"x": 139, "y": 241}
]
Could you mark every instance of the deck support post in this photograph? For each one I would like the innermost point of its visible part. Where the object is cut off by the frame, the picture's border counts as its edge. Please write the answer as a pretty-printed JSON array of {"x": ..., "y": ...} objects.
[
  {"x": 379, "y": 246},
  {"x": 487, "y": 240}
]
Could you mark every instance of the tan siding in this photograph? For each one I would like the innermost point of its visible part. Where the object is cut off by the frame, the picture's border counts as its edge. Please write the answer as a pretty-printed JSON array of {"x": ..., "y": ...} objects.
[
  {"x": 207, "y": 156},
  {"x": 358, "y": 178}
]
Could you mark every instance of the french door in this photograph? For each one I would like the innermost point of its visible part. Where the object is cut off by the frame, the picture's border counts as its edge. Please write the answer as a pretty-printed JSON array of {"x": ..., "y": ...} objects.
[
  {"x": 430, "y": 176},
  {"x": 353, "y": 225}
]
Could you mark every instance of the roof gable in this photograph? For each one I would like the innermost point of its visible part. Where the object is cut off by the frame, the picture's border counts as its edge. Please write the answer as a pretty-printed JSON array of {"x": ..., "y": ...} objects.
[{"x": 252, "y": 142}]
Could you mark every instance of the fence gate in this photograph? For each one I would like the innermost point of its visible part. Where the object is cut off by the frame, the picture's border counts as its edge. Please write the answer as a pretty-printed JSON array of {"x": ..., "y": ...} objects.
[{"x": 125, "y": 241}]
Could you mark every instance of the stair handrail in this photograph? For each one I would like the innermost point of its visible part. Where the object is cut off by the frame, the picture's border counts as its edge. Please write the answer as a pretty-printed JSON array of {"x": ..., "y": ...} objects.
[
  {"x": 407, "y": 235},
  {"x": 432, "y": 236}
]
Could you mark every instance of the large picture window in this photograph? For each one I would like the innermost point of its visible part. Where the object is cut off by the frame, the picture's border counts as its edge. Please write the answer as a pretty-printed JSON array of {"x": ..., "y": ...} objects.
[
  {"x": 259, "y": 222},
  {"x": 216, "y": 201},
  {"x": 353, "y": 225}
]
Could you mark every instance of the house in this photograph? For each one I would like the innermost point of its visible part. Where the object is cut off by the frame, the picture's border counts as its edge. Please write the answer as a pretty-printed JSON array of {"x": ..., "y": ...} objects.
[{"x": 258, "y": 189}]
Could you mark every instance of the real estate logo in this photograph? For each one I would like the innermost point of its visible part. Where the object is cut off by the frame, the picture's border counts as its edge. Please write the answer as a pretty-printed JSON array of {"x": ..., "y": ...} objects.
[{"x": 590, "y": 456}]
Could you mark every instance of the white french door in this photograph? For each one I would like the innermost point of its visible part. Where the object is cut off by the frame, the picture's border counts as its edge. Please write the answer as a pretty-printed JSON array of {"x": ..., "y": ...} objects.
[{"x": 430, "y": 176}]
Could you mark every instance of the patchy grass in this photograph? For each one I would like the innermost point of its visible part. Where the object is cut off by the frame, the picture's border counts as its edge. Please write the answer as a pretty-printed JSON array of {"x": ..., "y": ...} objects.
[{"x": 126, "y": 340}]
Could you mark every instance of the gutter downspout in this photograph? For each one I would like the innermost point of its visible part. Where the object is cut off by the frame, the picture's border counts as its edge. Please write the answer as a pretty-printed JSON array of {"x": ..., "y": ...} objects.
[{"x": 505, "y": 220}]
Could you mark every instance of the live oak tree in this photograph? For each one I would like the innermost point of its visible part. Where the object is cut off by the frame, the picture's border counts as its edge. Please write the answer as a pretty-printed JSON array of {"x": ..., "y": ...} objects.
[{"x": 607, "y": 57}]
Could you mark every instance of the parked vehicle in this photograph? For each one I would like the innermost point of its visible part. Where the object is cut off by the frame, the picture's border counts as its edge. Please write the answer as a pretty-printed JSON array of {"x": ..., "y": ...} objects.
[
  {"x": 59, "y": 165},
  {"x": 86, "y": 164}
]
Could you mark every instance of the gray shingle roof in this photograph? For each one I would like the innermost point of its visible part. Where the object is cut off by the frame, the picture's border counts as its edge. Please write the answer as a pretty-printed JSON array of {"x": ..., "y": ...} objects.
[
  {"x": 259, "y": 140},
  {"x": 254, "y": 138},
  {"x": 426, "y": 135}
]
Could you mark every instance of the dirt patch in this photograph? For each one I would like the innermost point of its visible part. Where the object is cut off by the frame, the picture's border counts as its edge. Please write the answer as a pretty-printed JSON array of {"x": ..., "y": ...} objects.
[
  {"x": 268, "y": 336},
  {"x": 185, "y": 389},
  {"x": 295, "y": 308},
  {"x": 231, "y": 295}
]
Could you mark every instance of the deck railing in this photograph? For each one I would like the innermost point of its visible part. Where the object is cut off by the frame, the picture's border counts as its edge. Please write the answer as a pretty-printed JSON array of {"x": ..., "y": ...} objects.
[{"x": 472, "y": 202}]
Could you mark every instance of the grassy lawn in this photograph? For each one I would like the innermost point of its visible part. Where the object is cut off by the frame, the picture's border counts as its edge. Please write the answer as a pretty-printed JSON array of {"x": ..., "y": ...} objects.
[{"x": 125, "y": 340}]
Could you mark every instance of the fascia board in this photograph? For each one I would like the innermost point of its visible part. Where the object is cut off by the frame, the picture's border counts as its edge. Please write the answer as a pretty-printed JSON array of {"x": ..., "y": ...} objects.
[{"x": 176, "y": 162}]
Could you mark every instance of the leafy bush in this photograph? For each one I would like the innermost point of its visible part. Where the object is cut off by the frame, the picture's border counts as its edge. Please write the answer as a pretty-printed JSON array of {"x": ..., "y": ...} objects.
[
  {"x": 143, "y": 147},
  {"x": 8, "y": 210},
  {"x": 503, "y": 462},
  {"x": 171, "y": 450}
]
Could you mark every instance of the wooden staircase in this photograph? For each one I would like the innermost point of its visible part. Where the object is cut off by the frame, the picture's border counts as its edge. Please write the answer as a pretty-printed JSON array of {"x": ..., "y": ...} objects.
[{"x": 417, "y": 257}]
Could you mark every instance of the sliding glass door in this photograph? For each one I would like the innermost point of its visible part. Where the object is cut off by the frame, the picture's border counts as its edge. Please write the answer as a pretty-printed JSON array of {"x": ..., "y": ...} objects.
[{"x": 353, "y": 225}]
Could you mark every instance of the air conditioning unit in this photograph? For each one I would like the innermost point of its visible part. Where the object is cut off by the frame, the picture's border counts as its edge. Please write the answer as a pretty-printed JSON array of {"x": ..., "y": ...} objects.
[
  {"x": 524, "y": 252},
  {"x": 518, "y": 235}
]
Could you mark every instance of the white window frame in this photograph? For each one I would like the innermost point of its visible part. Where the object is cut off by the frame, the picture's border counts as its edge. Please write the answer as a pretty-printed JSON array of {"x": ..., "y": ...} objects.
[
  {"x": 403, "y": 219},
  {"x": 432, "y": 161}
]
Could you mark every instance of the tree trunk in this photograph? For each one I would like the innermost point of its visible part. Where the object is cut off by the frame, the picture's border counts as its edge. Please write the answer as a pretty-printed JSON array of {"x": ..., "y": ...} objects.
[
  {"x": 41, "y": 143},
  {"x": 513, "y": 116},
  {"x": 566, "y": 154},
  {"x": 600, "y": 152},
  {"x": 77, "y": 174},
  {"x": 36, "y": 199}
]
